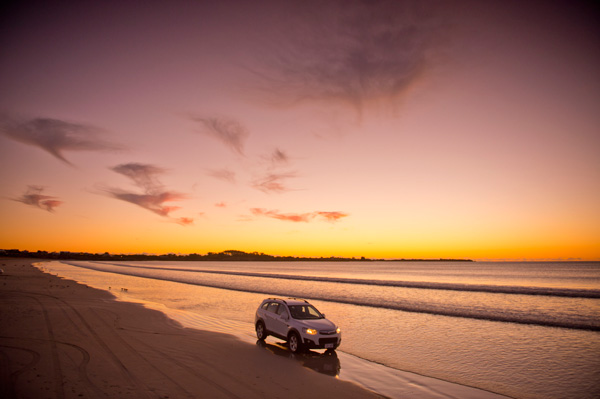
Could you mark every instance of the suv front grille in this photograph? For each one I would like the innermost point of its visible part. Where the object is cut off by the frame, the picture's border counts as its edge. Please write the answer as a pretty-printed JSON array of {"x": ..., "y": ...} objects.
[{"x": 326, "y": 332}]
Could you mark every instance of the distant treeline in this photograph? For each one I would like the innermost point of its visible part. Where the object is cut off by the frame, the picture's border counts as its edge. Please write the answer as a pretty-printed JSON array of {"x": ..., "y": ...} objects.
[{"x": 230, "y": 255}]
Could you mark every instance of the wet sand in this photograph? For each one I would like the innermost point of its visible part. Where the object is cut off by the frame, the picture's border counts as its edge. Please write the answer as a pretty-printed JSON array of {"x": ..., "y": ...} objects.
[{"x": 60, "y": 339}]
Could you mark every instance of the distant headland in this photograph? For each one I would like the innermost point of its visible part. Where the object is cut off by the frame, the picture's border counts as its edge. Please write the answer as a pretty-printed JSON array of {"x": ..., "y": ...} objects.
[{"x": 225, "y": 256}]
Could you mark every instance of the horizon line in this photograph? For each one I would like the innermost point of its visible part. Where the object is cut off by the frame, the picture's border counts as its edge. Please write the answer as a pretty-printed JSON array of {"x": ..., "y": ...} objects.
[{"x": 6, "y": 252}]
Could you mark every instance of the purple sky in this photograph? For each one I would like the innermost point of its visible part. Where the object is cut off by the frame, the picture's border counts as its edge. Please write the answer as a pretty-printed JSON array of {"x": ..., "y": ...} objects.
[{"x": 381, "y": 129}]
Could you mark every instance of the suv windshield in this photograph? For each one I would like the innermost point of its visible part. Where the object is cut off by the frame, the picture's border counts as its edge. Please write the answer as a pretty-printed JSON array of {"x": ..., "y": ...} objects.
[{"x": 305, "y": 312}]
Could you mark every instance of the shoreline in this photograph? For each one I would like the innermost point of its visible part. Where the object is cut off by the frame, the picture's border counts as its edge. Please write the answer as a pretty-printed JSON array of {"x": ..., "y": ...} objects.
[{"x": 115, "y": 340}]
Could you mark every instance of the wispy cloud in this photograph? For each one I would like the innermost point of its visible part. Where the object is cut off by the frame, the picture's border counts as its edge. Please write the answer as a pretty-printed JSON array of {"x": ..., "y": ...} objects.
[
  {"x": 278, "y": 158},
  {"x": 227, "y": 130},
  {"x": 332, "y": 216},
  {"x": 299, "y": 217},
  {"x": 273, "y": 182},
  {"x": 144, "y": 176},
  {"x": 56, "y": 136},
  {"x": 153, "y": 202},
  {"x": 154, "y": 196},
  {"x": 222, "y": 174},
  {"x": 290, "y": 217},
  {"x": 34, "y": 197},
  {"x": 184, "y": 221},
  {"x": 350, "y": 51}
]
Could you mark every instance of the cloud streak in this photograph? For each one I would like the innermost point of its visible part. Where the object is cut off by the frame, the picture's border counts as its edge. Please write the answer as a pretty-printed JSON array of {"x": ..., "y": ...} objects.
[
  {"x": 273, "y": 182},
  {"x": 143, "y": 175},
  {"x": 228, "y": 131},
  {"x": 184, "y": 221},
  {"x": 222, "y": 174},
  {"x": 152, "y": 202},
  {"x": 278, "y": 158},
  {"x": 56, "y": 136},
  {"x": 332, "y": 216},
  {"x": 154, "y": 196},
  {"x": 34, "y": 197},
  {"x": 350, "y": 52},
  {"x": 299, "y": 217}
]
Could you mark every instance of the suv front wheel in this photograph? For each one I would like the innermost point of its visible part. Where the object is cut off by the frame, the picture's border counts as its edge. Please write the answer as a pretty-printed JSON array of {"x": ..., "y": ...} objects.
[{"x": 294, "y": 343}]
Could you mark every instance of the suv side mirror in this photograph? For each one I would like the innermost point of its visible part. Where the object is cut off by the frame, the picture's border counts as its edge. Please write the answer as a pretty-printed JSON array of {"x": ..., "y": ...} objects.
[{"x": 323, "y": 314}]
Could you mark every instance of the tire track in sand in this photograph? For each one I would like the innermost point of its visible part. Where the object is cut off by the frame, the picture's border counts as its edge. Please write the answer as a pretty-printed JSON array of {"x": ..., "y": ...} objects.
[
  {"x": 164, "y": 357},
  {"x": 9, "y": 386},
  {"x": 58, "y": 374},
  {"x": 189, "y": 369},
  {"x": 82, "y": 367},
  {"x": 141, "y": 388}
]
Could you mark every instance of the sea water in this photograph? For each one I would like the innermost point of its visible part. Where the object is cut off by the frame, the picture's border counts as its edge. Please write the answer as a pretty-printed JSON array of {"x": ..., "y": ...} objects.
[{"x": 522, "y": 329}]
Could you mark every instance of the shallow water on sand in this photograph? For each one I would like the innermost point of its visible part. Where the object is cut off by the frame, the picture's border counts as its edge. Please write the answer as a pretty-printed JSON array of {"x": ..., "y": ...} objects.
[{"x": 526, "y": 330}]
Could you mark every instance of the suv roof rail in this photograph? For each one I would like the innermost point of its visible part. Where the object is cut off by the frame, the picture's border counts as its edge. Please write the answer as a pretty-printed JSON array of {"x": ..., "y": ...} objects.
[
  {"x": 299, "y": 299},
  {"x": 283, "y": 300},
  {"x": 275, "y": 299}
]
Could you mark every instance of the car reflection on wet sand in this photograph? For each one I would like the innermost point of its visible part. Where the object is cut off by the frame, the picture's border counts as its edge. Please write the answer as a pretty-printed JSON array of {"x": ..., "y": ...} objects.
[{"x": 325, "y": 363}]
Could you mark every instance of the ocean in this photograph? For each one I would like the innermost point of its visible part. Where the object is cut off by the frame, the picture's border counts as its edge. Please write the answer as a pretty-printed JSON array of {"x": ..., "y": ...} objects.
[{"x": 521, "y": 329}]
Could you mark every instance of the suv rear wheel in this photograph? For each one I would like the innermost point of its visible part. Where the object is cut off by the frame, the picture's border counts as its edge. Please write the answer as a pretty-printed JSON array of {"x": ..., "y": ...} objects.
[
  {"x": 261, "y": 332},
  {"x": 294, "y": 343}
]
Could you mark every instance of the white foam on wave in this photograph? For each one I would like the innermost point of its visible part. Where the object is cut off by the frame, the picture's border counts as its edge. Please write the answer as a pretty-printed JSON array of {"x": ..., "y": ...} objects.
[{"x": 497, "y": 289}]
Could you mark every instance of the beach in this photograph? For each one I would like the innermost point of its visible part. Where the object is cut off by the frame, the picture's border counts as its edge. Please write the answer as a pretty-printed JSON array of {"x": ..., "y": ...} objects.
[{"x": 60, "y": 339}]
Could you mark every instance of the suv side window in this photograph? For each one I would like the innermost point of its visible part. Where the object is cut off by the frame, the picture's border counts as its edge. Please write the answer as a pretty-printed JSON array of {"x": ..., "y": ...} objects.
[
  {"x": 265, "y": 305},
  {"x": 273, "y": 307},
  {"x": 282, "y": 311}
]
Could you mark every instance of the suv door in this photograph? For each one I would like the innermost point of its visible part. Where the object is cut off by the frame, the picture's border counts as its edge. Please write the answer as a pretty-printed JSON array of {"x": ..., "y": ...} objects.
[
  {"x": 281, "y": 321},
  {"x": 276, "y": 318}
]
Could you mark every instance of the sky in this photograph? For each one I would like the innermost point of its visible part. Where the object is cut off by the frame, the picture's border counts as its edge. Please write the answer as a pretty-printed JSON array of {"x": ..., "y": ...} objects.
[{"x": 384, "y": 129}]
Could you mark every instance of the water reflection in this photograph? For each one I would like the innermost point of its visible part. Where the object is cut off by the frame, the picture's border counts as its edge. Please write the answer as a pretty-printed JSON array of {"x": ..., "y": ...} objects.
[{"x": 324, "y": 363}]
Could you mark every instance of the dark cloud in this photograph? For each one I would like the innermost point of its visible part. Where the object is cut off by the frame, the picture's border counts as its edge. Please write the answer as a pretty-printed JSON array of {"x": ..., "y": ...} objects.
[
  {"x": 34, "y": 197},
  {"x": 56, "y": 136},
  {"x": 222, "y": 174},
  {"x": 154, "y": 196},
  {"x": 153, "y": 202},
  {"x": 278, "y": 158},
  {"x": 298, "y": 217},
  {"x": 350, "y": 52},
  {"x": 227, "y": 130},
  {"x": 273, "y": 182},
  {"x": 143, "y": 175}
]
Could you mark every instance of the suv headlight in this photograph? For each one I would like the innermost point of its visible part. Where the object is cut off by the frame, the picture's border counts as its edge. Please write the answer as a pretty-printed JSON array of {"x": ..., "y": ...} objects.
[
  {"x": 310, "y": 331},
  {"x": 338, "y": 330}
]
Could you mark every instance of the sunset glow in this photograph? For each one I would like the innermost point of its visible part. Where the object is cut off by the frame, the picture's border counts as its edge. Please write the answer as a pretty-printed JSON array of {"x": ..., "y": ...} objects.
[{"x": 384, "y": 129}]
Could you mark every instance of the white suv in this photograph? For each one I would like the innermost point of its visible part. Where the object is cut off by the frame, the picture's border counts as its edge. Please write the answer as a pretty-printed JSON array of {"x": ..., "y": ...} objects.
[{"x": 298, "y": 322}]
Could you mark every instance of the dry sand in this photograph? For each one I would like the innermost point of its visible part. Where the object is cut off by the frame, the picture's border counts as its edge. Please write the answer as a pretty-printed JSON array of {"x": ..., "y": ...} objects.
[{"x": 60, "y": 339}]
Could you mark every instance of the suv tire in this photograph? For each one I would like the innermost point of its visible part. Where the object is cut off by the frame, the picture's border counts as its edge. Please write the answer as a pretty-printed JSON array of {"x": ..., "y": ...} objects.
[
  {"x": 261, "y": 331},
  {"x": 294, "y": 343}
]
